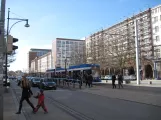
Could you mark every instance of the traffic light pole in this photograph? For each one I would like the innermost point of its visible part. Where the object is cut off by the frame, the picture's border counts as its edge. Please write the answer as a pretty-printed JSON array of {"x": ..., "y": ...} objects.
[
  {"x": 2, "y": 53},
  {"x": 6, "y": 60},
  {"x": 8, "y": 31}
]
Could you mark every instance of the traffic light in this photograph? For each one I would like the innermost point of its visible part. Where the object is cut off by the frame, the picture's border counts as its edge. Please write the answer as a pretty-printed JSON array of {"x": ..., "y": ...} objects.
[
  {"x": 13, "y": 46},
  {"x": 10, "y": 46}
]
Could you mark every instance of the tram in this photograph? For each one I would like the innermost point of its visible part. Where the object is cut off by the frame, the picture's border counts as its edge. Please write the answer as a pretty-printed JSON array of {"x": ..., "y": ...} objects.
[{"x": 74, "y": 71}]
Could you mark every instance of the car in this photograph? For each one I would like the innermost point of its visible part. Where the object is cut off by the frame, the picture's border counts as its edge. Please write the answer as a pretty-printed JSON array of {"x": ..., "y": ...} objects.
[
  {"x": 47, "y": 83},
  {"x": 108, "y": 77},
  {"x": 35, "y": 82},
  {"x": 129, "y": 77},
  {"x": 19, "y": 78}
]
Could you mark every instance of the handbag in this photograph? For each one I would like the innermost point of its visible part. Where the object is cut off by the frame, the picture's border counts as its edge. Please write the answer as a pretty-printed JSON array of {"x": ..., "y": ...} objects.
[{"x": 29, "y": 93}]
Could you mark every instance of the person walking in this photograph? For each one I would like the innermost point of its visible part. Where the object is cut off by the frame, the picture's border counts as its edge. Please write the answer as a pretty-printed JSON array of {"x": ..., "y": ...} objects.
[
  {"x": 113, "y": 81},
  {"x": 26, "y": 93},
  {"x": 41, "y": 97},
  {"x": 86, "y": 78},
  {"x": 120, "y": 80},
  {"x": 90, "y": 80}
]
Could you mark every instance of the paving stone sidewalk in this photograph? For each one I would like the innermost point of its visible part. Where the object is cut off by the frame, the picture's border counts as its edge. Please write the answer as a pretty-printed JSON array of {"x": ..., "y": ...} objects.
[
  {"x": 10, "y": 106},
  {"x": 125, "y": 94}
]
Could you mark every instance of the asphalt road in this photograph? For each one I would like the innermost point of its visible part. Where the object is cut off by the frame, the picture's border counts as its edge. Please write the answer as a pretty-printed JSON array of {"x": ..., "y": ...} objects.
[
  {"x": 103, "y": 108},
  {"x": 86, "y": 106}
]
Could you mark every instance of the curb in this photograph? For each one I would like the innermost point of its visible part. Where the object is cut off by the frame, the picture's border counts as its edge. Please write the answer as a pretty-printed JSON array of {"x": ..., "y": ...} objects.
[{"x": 20, "y": 116}]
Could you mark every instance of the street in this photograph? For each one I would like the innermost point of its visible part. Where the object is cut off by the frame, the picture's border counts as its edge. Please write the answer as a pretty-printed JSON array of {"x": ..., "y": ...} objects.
[{"x": 64, "y": 104}]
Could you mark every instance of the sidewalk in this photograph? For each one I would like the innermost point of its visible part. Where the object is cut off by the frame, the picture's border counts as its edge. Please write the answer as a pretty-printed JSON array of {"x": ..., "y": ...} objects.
[
  {"x": 155, "y": 83},
  {"x": 10, "y": 106},
  {"x": 134, "y": 95}
]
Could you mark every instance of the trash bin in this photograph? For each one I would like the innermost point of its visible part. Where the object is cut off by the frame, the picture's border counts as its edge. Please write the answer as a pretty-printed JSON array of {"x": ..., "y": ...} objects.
[{"x": 127, "y": 81}]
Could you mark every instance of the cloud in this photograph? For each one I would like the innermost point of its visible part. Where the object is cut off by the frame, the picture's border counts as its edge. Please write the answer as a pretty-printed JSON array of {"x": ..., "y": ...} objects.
[{"x": 22, "y": 58}]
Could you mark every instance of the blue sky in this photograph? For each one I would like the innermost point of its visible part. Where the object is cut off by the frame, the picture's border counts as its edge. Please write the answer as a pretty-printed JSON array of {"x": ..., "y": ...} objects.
[{"x": 50, "y": 19}]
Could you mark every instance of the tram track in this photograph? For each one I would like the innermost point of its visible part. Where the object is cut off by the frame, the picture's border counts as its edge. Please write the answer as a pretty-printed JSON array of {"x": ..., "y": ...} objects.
[
  {"x": 75, "y": 114},
  {"x": 70, "y": 111}
]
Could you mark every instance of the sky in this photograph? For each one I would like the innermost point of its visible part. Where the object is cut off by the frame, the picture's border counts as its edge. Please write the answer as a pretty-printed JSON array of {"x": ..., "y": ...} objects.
[{"x": 50, "y": 19}]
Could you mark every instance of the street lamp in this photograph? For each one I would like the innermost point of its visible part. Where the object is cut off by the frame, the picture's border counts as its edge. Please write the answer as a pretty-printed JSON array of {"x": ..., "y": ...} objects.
[
  {"x": 65, "y": 67},
  {"x": 8, "y": 31}
]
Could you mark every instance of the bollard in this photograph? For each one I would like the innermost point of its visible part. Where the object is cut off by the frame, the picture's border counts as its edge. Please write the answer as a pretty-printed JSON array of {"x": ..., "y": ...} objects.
[
  {"x": 80, "y": 84},
  {"x": 59, "y": 82},
  {"x": 74, "y": 84},
  {"x": 150, "y": 82}
]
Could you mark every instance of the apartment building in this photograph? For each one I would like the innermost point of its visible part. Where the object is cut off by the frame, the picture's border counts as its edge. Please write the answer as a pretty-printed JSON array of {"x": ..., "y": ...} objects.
[
  {"x": 114, "y": 48},
  {"x": 68, "y": 52},
  {"x": 156, "y": 29},
  {"x": 33, "y": 53},
  {"x": 156, "y": 26},
  {"x": 42, "y": 63}
]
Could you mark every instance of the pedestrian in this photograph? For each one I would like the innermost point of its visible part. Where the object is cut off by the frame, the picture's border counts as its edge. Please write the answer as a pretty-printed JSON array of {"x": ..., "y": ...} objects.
[
  {"x": 90, "y": 80},
  {"x": 113, "y": 81},
  {"x": 26, "y": 93},
  {"x": 86, "y": 78},
  {"x": 40, "y": 96},
  {"x": 80, "y": 78},
  {"x": 120, "y": 80}
]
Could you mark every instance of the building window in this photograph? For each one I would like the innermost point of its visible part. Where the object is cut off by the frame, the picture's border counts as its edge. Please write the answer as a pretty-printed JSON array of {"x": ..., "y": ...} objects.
[
  {"x": 158, "y": 54},
  {"x": 157, "y": 38},
  {"x": 58, "y": 42},
  {"x": 156, "y": 28},
  {"x": 155, "y": 19},
  {"x": 157, "y": 50},
  {"x": 156, "y": 10}
]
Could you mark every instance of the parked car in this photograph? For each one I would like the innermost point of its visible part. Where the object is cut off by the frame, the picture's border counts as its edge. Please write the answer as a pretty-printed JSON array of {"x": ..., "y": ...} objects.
[
  {"x": 35, "y": 82},
  {"x": 47, "y": 83},
  {"x": 19, "y": 79},
  {"x": 108, "y": 77},
  {"x": 129, "y": 77}
]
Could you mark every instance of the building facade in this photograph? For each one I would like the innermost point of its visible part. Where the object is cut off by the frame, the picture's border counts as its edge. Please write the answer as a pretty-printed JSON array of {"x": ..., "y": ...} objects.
[
  {"x": 114, "y": 48},
  {"x": 156, "y": 26},
  {"x": 33, "y": 53},
  {"x": 42, "y": 63},
  {"x": 68, "y": 52}
]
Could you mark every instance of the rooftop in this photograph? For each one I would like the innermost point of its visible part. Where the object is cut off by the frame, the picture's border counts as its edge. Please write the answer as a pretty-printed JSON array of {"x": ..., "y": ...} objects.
[
  {"x": 35, "y": 50},
  {"x": 68, "y": 39}
]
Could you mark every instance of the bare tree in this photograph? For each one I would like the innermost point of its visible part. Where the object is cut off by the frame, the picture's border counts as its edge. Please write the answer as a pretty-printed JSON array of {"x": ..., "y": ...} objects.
[
  {"x": 77, "y": 56},
  {"x": 11, "y": 57},
  {"x": 119, "y": 51}
]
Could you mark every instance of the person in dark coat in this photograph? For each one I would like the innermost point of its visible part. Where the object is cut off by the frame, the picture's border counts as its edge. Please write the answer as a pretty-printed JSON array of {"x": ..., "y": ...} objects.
[
  {"x": 90, "y": 80},
  {"x": 86, "y": 78},
  {"x": 26, "y": 94},
  {"x": 113, "y": 81},
  {"x": 120, "y": 80}
]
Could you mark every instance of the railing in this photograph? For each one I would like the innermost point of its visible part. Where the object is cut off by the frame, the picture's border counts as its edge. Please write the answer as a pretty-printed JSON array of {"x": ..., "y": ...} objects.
[{"x": 64, "y": 82}]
